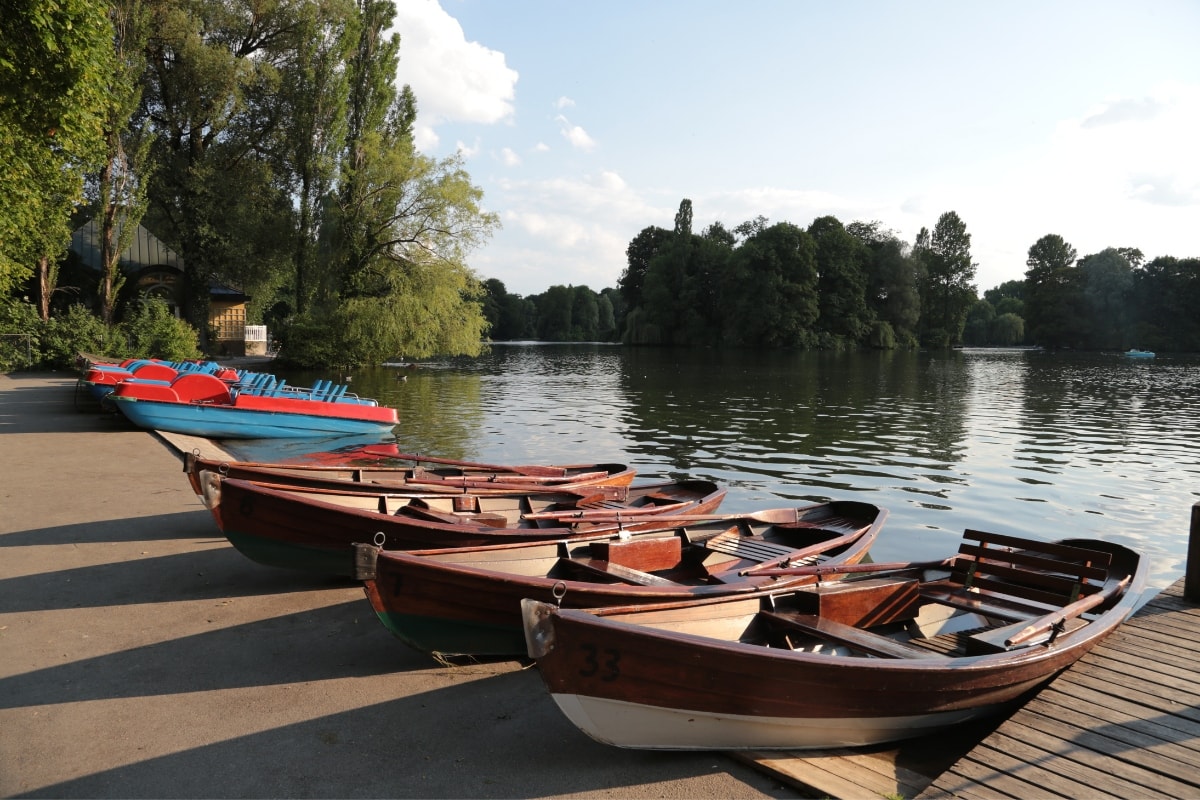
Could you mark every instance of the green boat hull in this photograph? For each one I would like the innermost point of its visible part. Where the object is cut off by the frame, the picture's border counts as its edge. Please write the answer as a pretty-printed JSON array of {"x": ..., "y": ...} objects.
[
  {"x": 274, "y": 553},
  {"x": 447, "y": 637}
]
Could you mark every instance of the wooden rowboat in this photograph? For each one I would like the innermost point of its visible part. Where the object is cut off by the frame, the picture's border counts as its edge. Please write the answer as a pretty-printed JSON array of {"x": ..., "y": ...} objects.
[
  {"x": 316, "y": 529},
  {"x": 466, "y": 601},
  {"x": 384, "y": 468},
  {"x": 859, "y": 661}
]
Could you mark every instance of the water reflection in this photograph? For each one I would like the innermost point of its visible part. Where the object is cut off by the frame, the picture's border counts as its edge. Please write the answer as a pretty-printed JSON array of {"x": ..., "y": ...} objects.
[{"x": 1042, "y": 444}]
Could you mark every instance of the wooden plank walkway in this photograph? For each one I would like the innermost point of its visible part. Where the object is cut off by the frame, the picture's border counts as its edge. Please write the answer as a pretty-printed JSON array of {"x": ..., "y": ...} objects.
[{"x": 1122, "y": 722}]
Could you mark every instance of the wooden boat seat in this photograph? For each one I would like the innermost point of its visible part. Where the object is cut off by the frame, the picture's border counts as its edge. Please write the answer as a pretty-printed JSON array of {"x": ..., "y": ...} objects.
[
  {"x": 992, "y": 640},
  {"x": 1017, "y": 579},
  {"x": 608, "y": 569},
  {"x": 746, "y": 548},
  {"x": 417, "y": 511},
  {"x": 728, "y": 552},
  {"x": 863, "y": 641}
]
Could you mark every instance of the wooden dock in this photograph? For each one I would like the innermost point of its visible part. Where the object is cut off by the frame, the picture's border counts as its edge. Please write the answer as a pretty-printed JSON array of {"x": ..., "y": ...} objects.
[{"x": 1122, "y": 722}]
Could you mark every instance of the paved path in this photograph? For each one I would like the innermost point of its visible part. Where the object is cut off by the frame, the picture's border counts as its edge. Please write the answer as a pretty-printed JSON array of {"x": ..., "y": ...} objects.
[{"x": 142, "y": 656}]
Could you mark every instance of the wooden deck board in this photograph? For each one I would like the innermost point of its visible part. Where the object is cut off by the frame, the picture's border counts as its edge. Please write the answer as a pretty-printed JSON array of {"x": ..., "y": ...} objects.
[{"x": 1122, "y": 722}]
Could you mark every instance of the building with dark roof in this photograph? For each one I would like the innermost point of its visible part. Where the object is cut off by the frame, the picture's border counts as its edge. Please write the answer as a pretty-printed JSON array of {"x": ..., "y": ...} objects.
[{"x": 154, "y": 270}]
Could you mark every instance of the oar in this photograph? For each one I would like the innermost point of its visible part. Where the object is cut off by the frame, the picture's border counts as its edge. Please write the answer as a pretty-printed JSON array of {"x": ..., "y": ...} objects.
[
  {"x": 528, "y": 469},
  {"x": 1054, "y": 618},
  {"x": 772, "y": 516},
  {"x": 508, "y": 484},
  {"x": 606, "y": 514},
  {"x": 840, "y": 569}
]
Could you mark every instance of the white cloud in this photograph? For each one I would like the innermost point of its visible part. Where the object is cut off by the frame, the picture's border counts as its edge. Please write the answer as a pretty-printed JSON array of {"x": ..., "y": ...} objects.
[
  {"x": 564, "y": 102},
  {"x": 454, "y": 80},
  {"x": 509, "y": 158},
  {"x": 466, "y": 150},
  {"x": 574, "y": 134}
]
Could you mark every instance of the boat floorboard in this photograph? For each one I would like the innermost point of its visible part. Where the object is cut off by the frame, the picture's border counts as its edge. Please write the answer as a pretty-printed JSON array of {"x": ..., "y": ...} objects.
[{"x": 1124, "y": 722}]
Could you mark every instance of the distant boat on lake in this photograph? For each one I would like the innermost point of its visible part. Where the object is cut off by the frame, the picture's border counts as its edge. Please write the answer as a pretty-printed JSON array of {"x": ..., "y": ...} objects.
[{"x": 1135, "y": 353}]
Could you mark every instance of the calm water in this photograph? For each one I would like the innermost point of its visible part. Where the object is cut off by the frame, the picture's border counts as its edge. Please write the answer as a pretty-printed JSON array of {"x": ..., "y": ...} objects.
[{"x": 1027, "y": 443}]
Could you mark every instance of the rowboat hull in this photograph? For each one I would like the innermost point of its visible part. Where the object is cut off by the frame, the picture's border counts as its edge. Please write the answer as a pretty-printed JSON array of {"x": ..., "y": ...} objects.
[
  {"x": 316, "y": 530},
  {"x": 467, "y": 601},
  {"x": 689, "y": 677},
  {"x": 401, "y": 472},
  {"x": 644, "y": 726},
  {"x": 233, "y": 422}
]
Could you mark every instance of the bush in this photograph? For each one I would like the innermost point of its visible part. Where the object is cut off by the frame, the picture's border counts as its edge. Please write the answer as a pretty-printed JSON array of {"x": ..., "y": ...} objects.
[
  {"x": 19, "y": 335},
  {"x": 80, "y": 331},
  {"x": 153, "y": 331}
]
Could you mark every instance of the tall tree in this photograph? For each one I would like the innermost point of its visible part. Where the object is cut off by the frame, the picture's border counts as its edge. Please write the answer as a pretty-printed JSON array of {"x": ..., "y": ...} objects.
[
  {"x": 314, "y": 87},
  {"x": 842, "y": 283},
  {"x": 771, "y": 289},
  {"x": 1053, "y": 294},
  {"x": 892, "y": 286},
  {"x": 54, "y": 61},
  {"x": 403, "y": 224},
  {"x": 1108, "y": 290},
  {"x": 212, "y": 96},
  {"x": 947, "y": 291},
  {"x": 644, "y": 247},
  {"x": 121, "y": 184}
]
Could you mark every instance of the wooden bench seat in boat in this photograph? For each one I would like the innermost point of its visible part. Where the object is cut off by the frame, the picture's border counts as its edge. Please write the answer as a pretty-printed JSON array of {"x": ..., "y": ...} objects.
[
  {"x": 863, "y": 641},
  {"x": 1016, "y": 579},
  {"x": 730, "y": 551},
  {"x": 419, "y": 510},
  {"x": 620, "y": 572},
  {"x": 993, "y": 640},
  {"x": 868, "y": 602},
  {"x": 627, "y": 560}
]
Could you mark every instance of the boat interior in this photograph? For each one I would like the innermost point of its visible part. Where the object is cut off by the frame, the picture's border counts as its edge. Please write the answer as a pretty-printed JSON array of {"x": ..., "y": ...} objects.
[{"x": 998, "y": 594}]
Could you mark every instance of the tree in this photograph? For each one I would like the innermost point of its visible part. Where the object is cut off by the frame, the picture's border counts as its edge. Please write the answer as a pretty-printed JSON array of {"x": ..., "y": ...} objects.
[
  {"x": 644, "y": 247},
  {"x": 771, "y": 289},
  {"x": 663, "y": 286},
  {"x": 1108, "y": 290},
  {"x": 1053, "y": 294},
  {"x": 892, "y": 285},
  {"x": 121, "y": 184},
  {"x": 947, "y": 293},
  {"x": 842, "y": 284},
  {"x": 403, "y": 223},
  {"x": 54, "y": 60},
  {"x": 212, "y": 94},
  {"x": 1166, "y": 295},
  {"x": 314, "y": 87}
]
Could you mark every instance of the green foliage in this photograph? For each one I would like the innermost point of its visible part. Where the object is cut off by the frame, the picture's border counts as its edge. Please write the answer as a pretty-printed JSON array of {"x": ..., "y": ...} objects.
[
  {"x": 54, "y": 59},
  {"x": 152, "y": 330},
  {"x": 947, "y": 293},
  {"x": 78, "y": 331},
  {"x": 841, "y": 259},
  {"x": 20, "y": 346}
]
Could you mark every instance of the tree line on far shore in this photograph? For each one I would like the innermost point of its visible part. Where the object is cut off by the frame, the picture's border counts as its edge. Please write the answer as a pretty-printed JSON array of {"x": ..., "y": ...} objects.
[
  {"x": 835, "y": 285},
  {"x": 274, "y": 153}
]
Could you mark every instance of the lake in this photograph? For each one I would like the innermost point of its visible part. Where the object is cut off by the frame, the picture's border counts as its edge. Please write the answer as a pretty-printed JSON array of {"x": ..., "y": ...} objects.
[{"x": 1040, "y": 444}]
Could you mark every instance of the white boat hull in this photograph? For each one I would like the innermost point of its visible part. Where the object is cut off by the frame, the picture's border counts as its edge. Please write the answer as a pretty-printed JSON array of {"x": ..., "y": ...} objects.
[{"x": 647, "y": 727}]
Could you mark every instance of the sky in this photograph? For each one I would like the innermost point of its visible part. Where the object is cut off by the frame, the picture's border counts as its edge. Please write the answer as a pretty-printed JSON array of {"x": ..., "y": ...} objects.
[{"x": 584, "y": 123}]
